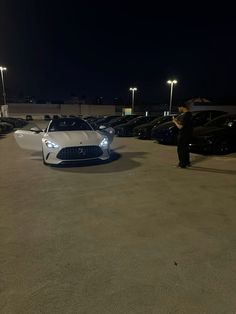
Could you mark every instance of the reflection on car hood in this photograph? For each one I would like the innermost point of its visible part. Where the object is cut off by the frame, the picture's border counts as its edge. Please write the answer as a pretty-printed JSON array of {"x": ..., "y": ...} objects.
[
  {"x": 165, "y": 126},
  {"x": 75, "y": 138},
  {"x": 119, "y": 126}
]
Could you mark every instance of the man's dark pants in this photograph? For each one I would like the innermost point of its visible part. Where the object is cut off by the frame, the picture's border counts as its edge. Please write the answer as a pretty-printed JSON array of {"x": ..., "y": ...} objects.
[{"x": 183, "y": 150}]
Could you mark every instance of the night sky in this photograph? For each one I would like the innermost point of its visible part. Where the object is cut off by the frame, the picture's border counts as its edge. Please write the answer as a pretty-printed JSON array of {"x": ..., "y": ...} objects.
[{"x": 56, "y": 49}]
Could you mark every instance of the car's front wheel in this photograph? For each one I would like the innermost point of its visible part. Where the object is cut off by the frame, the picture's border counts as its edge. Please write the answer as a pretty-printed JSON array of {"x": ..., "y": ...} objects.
[{"x": 222, "y": 147}]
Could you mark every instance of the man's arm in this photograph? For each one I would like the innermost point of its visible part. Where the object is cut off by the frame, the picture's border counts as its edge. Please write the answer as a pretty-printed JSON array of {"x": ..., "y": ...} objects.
[{"x": 176, "y": 122}]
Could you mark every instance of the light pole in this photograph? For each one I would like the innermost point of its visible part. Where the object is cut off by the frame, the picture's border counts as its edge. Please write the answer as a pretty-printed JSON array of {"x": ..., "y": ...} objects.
[
  {"x": 4, "y": 107},
  {"x": 133, "y": 90},
  {"x": 171, "y": 92}
]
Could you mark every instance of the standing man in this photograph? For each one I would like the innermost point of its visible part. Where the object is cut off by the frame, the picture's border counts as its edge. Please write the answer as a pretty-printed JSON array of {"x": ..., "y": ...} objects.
[{"x": 184, "y": 124}]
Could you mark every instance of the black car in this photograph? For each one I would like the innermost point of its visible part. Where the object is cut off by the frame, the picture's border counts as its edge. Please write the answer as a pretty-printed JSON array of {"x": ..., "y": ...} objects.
[
  {"x": 167, "y": 132},
  {"x": 47, "y": 117},
  {"x": 6, "y": 127},
  {"x": 216, "y": 137},
  {"x": 121, "y": 120},
  {"x": 126, "y": 129},
  {"x": 16, "y": 122},
  {"x": 144, "y": 131},
  {"x": 103, "y": 121}
]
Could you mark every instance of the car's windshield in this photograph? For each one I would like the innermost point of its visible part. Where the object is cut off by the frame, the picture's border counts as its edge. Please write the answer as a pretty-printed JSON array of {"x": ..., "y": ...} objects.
[
  {"x": 222, "y": 121},
  {"x": 69, "y": 124}
]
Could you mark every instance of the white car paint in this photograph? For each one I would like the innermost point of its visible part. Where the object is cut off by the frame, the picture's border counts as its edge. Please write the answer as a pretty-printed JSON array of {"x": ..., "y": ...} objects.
[{"x": 81, "y": 141}]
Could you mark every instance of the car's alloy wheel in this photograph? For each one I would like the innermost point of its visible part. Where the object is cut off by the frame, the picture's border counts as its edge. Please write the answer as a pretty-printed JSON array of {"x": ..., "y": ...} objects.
[{"x": 222, "y": 147}]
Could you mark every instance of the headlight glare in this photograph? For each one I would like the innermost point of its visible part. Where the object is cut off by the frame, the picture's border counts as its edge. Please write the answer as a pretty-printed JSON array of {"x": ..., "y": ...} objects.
[
  {"x": 104, "y": 143},
  {"x": 51, "y": 144}
]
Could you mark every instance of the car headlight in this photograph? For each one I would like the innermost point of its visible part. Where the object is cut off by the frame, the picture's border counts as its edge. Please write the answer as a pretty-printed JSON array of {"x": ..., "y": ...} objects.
[
  {"x": 104, "y": 143},
  {"x": 51, "y": 144}
]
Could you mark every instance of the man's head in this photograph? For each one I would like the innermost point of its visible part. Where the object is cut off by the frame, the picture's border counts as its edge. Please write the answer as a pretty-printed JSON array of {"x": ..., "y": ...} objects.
[{"x": 183, "y": 108}]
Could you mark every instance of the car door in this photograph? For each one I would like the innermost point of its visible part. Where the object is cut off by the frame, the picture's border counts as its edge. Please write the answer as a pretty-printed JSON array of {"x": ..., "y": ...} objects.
[{"x": 29, "y": 139}]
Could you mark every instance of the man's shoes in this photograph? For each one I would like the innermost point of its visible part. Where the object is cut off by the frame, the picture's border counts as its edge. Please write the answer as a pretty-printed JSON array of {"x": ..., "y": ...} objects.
[
  {"x": 184, "y": 166},
  {"x": 181, "y": 166}
]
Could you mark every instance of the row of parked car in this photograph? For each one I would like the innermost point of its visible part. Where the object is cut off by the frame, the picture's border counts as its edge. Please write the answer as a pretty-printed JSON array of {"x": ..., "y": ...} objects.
[
  {"x": 48, "y": 117},
  {"x": 7, "y": 124},
  {"x": 214, "y": 130}
]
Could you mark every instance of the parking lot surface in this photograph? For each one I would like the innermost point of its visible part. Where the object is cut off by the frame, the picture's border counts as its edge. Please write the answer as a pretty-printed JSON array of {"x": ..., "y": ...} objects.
[{"x": 135, "y": 235}]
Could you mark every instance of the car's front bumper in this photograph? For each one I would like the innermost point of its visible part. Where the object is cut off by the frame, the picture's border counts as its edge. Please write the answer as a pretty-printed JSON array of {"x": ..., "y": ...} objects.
[{"x": 51, "y": 157}]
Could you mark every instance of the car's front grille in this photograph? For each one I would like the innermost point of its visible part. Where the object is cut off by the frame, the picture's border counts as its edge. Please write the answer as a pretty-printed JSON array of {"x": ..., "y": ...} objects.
[{"x": 79, "y": 152}]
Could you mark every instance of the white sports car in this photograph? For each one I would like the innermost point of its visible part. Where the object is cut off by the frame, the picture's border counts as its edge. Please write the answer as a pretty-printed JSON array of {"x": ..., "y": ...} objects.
[{"x": 67, "y": 140}]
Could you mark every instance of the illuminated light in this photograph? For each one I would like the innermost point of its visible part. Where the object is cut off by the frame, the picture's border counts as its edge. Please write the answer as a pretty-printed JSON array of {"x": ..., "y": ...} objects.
[
  {"x": 172, "y": 82},
  {"x": 51, "y": 144},
  {"x": 104, "y": 143}
]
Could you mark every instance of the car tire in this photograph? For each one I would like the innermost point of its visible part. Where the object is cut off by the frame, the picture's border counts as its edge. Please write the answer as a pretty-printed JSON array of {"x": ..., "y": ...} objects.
[{"x": 222, "y": 147}]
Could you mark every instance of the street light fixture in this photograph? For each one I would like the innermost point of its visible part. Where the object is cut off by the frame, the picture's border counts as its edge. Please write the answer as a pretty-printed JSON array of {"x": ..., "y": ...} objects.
[
  {"x": 171, "y": 82},
  {"x": 3, "y": 108},
  {"x": 133, "y": 90}
]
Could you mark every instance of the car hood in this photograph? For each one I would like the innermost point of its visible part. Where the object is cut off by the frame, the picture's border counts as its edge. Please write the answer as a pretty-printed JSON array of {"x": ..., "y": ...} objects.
[
  {"x": 75, "y": 138},
  {"x": 142, "y": 126},
  {"x": 207, "y": 131},
  {"x": 165, "y": 126},
  {"x": 120, "y": 126}
]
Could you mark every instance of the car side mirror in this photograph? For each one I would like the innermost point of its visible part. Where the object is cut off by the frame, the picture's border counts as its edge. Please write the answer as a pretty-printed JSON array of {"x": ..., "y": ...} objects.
[{"x": 36, "y": 130}]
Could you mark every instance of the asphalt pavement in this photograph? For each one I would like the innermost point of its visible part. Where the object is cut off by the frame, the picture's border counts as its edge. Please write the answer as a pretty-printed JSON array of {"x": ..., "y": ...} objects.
[{"x": 135, "y": 235}]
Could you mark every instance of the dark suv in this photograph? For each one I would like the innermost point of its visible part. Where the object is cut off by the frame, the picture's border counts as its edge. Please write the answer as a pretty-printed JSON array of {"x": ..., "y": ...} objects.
[
  {"x": 167, "y": 132},
  {"x": 144, "y": 131},
  {"x": 216, "y": 137},
  {"x": 127, "y": 128}
]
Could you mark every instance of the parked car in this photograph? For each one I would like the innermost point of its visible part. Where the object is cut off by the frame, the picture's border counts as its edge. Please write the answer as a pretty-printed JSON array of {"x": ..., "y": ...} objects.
[
  {"x": 16, "y": 122},
  {"x": 89, "y": 118},
  {"x": 144, "y": 131},
  {"x": 66, "y": 140},
  {"x": 47, "y": 117},
  {"x": 122, "y": 120},
  {"x": 6, "y": 127},
  {"x": 216, "y": 137},
  {"x": 167, "y": 132},
  {"x": 55, "y": 116},
  {"x": 126, "y": 129},
  {"x": 23, "y": 121},
  {"x": 103, "y": 121},
  {"x": 28, "y": 117}
]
